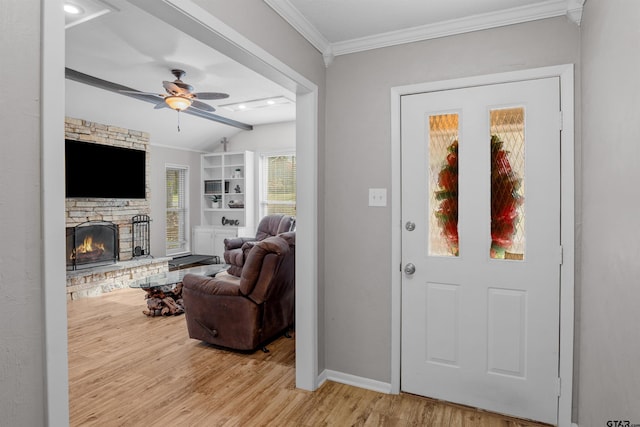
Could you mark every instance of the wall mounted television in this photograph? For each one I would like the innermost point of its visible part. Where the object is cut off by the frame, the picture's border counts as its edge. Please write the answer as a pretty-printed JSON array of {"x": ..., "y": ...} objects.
[{"x": 103, "y": 171}]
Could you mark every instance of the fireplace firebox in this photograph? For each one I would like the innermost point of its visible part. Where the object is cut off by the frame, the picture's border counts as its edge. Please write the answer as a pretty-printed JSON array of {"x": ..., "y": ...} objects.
[{"x": 91, "y": 244}]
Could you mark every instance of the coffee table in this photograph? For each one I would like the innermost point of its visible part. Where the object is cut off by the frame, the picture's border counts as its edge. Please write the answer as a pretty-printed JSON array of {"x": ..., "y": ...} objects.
[{"x": 164, "y": 291}]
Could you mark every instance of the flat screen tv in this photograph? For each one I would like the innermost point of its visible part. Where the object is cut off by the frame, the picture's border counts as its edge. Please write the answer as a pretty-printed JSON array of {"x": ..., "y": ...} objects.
[{"x": 103, "y": 171}]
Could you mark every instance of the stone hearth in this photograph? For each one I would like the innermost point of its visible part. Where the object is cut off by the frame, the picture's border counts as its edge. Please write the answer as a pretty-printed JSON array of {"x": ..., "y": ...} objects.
[{"x": 95, "y": 281}]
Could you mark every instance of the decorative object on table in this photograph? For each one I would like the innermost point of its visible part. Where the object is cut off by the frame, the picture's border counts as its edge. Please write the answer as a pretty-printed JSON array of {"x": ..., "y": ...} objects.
[
  {"x": 237, "y": 189},
  {"x": 216, "y": 201},
  {"x": 229, "y": 221},
  {"x": 140, "y": 229},
  {"x": 163, "y": 292},
  {"x": 505, "y": 199},
  {"x": 236, "y": 204},
  {"x": 164, "y": 302}
]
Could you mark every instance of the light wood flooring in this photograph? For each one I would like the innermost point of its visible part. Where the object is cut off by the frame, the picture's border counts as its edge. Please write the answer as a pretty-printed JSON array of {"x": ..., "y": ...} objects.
[{"x": 126, "y": 369}]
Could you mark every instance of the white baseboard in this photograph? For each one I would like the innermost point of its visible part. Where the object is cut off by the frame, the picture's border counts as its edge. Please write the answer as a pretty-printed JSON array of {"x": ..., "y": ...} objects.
[{"x": 353, "y": 380}]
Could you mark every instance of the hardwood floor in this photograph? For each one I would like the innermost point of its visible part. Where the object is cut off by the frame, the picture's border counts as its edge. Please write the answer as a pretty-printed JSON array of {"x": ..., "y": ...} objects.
[{"x": 126, "y": 369}]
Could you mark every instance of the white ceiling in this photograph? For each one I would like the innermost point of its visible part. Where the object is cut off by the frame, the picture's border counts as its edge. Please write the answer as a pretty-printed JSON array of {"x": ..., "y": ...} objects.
[
  {"x": 131, "y": 48},
  {"x": 337, "y": 27}
]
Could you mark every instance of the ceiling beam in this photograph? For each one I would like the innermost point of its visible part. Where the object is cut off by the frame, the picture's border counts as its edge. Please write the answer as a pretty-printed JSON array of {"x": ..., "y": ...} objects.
[{"x": 79, "y": 77}]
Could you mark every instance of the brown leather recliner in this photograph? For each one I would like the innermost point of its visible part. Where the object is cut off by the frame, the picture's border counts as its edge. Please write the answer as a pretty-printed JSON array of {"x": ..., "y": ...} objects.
[
  {"x": 247, "y": 312},
  {"x": 236, "y": 249}
]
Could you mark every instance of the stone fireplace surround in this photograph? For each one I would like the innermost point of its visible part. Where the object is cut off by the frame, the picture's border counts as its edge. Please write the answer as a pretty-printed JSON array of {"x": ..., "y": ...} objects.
[{"x": 94, "y": 281}]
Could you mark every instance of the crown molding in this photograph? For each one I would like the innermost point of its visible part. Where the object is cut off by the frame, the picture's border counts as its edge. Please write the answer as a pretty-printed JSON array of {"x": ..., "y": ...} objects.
[
  {"x": 299, "y": 22},
  {"x": 574, "y": 11},
  {"x": 548, "y": 9}
]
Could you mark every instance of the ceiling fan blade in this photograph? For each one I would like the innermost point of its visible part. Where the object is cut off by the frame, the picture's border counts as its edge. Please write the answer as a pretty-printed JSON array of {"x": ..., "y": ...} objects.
[
  {"x": 160, "y": 105},
  {"x": 211, "y": 95},
  {"x": 202, "y": 106},
  {"x": 174, "y": 89},
  {"x": 135, "y": 92},
  {"x": 183, "y": 85}
]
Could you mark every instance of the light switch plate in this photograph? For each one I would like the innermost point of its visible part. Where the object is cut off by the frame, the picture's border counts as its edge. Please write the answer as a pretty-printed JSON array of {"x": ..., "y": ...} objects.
[{"x": 377, "y": 197}]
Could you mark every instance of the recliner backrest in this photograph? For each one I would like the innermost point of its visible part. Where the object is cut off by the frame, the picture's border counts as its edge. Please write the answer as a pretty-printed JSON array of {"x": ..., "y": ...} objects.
[
  {"x": 272, "y": 225},
  {"x": 264, "y": 262}
]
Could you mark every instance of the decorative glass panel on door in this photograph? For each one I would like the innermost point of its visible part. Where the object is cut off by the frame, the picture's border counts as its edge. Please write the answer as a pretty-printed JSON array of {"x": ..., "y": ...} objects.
[
  {"x": 508, "y": 236},
  {"x": 443, "y": 185}
]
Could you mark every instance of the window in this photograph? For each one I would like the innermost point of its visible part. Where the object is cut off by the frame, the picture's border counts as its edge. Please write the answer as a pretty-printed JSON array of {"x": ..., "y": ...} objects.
[
  {"x": 177, "y": 236},
  {"x": 278, "y": 184}
]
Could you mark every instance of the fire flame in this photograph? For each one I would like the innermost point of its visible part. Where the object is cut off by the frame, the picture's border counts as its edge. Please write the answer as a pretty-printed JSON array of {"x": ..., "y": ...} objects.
[{"x": 87, "y": 247}]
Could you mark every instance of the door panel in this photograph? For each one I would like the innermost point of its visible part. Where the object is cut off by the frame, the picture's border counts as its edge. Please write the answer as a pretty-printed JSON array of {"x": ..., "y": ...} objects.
[{"x": 481, "y": 182}]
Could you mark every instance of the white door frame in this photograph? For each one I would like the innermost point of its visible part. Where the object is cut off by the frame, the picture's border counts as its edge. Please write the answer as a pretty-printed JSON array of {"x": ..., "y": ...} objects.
[
  {"x": 565, "y": 73},
  {"x": 192, "y": 19}
]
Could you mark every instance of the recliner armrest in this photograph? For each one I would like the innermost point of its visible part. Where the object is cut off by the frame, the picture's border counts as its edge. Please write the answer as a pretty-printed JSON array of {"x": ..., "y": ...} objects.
[
  {"x": 212, "y": 286},
  {"x": 237, "y": 242},
  {"x": 247, "y": 246}
]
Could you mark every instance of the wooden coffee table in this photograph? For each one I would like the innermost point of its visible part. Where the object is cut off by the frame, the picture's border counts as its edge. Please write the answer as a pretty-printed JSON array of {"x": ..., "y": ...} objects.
[{"x": 164, "y": 291}]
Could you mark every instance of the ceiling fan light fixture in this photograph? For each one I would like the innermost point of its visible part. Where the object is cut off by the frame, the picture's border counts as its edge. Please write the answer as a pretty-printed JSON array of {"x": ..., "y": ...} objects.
[
  {"x": 72, "y": 9},
  {"x": 178, "y": 103}
]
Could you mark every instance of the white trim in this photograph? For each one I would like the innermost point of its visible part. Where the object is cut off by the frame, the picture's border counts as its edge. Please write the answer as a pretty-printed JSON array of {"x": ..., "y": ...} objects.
[
  {"x": 567, "y": 182},
  {"x": 574, "y": 11},
  {"x": 547, "y": 9},
  {"x": 353, "y": 380},
  {"x": 186, "y": 249},
  {"x": 299, "y": 22},
  {"x": 53, "y": 270},
  {"x": 169, "y": 147}
]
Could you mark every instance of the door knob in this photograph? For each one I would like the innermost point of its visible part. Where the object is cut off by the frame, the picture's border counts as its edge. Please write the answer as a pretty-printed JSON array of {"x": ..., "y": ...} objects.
[
  {"x": 409, "y": 269},
  {"x": 410, "y": 226}
]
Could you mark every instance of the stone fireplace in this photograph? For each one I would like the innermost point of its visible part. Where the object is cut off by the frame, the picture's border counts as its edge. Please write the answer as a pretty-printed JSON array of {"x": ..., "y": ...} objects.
[
  {"x": 114, "y": 217},
  {"x": 117, "y": 211}
]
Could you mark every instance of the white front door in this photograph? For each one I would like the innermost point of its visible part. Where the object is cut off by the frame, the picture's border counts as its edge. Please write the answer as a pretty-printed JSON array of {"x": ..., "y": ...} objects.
[{"x": 481, "y": 246}]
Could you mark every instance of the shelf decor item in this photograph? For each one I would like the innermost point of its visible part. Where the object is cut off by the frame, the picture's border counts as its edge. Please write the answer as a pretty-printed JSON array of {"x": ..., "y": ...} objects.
[
  {"x": 216, "y": 201},
  {"x": 235, "y": 204}
]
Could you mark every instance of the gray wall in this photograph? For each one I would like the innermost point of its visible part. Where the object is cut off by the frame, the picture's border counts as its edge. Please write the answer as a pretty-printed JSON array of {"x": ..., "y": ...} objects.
[
  {"x": 160, "y": 157},
  {"x": 264, "y": 138},
  {"x": 358, "y": 238},
  {"x": 21, "y": 337},
  {"x": 609, "y": 383}
]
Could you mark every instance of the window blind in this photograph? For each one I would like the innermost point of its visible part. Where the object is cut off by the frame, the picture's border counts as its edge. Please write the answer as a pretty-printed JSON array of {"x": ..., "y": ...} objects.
[
  {"x": 176, "y": 234},
  {"x": 278, "y": 186}
]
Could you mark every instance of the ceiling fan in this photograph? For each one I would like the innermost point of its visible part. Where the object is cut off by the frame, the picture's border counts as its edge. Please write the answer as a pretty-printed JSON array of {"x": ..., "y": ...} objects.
[
  {"x": 181, "y": 96},
  {"x": 153, "y": 98}
]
